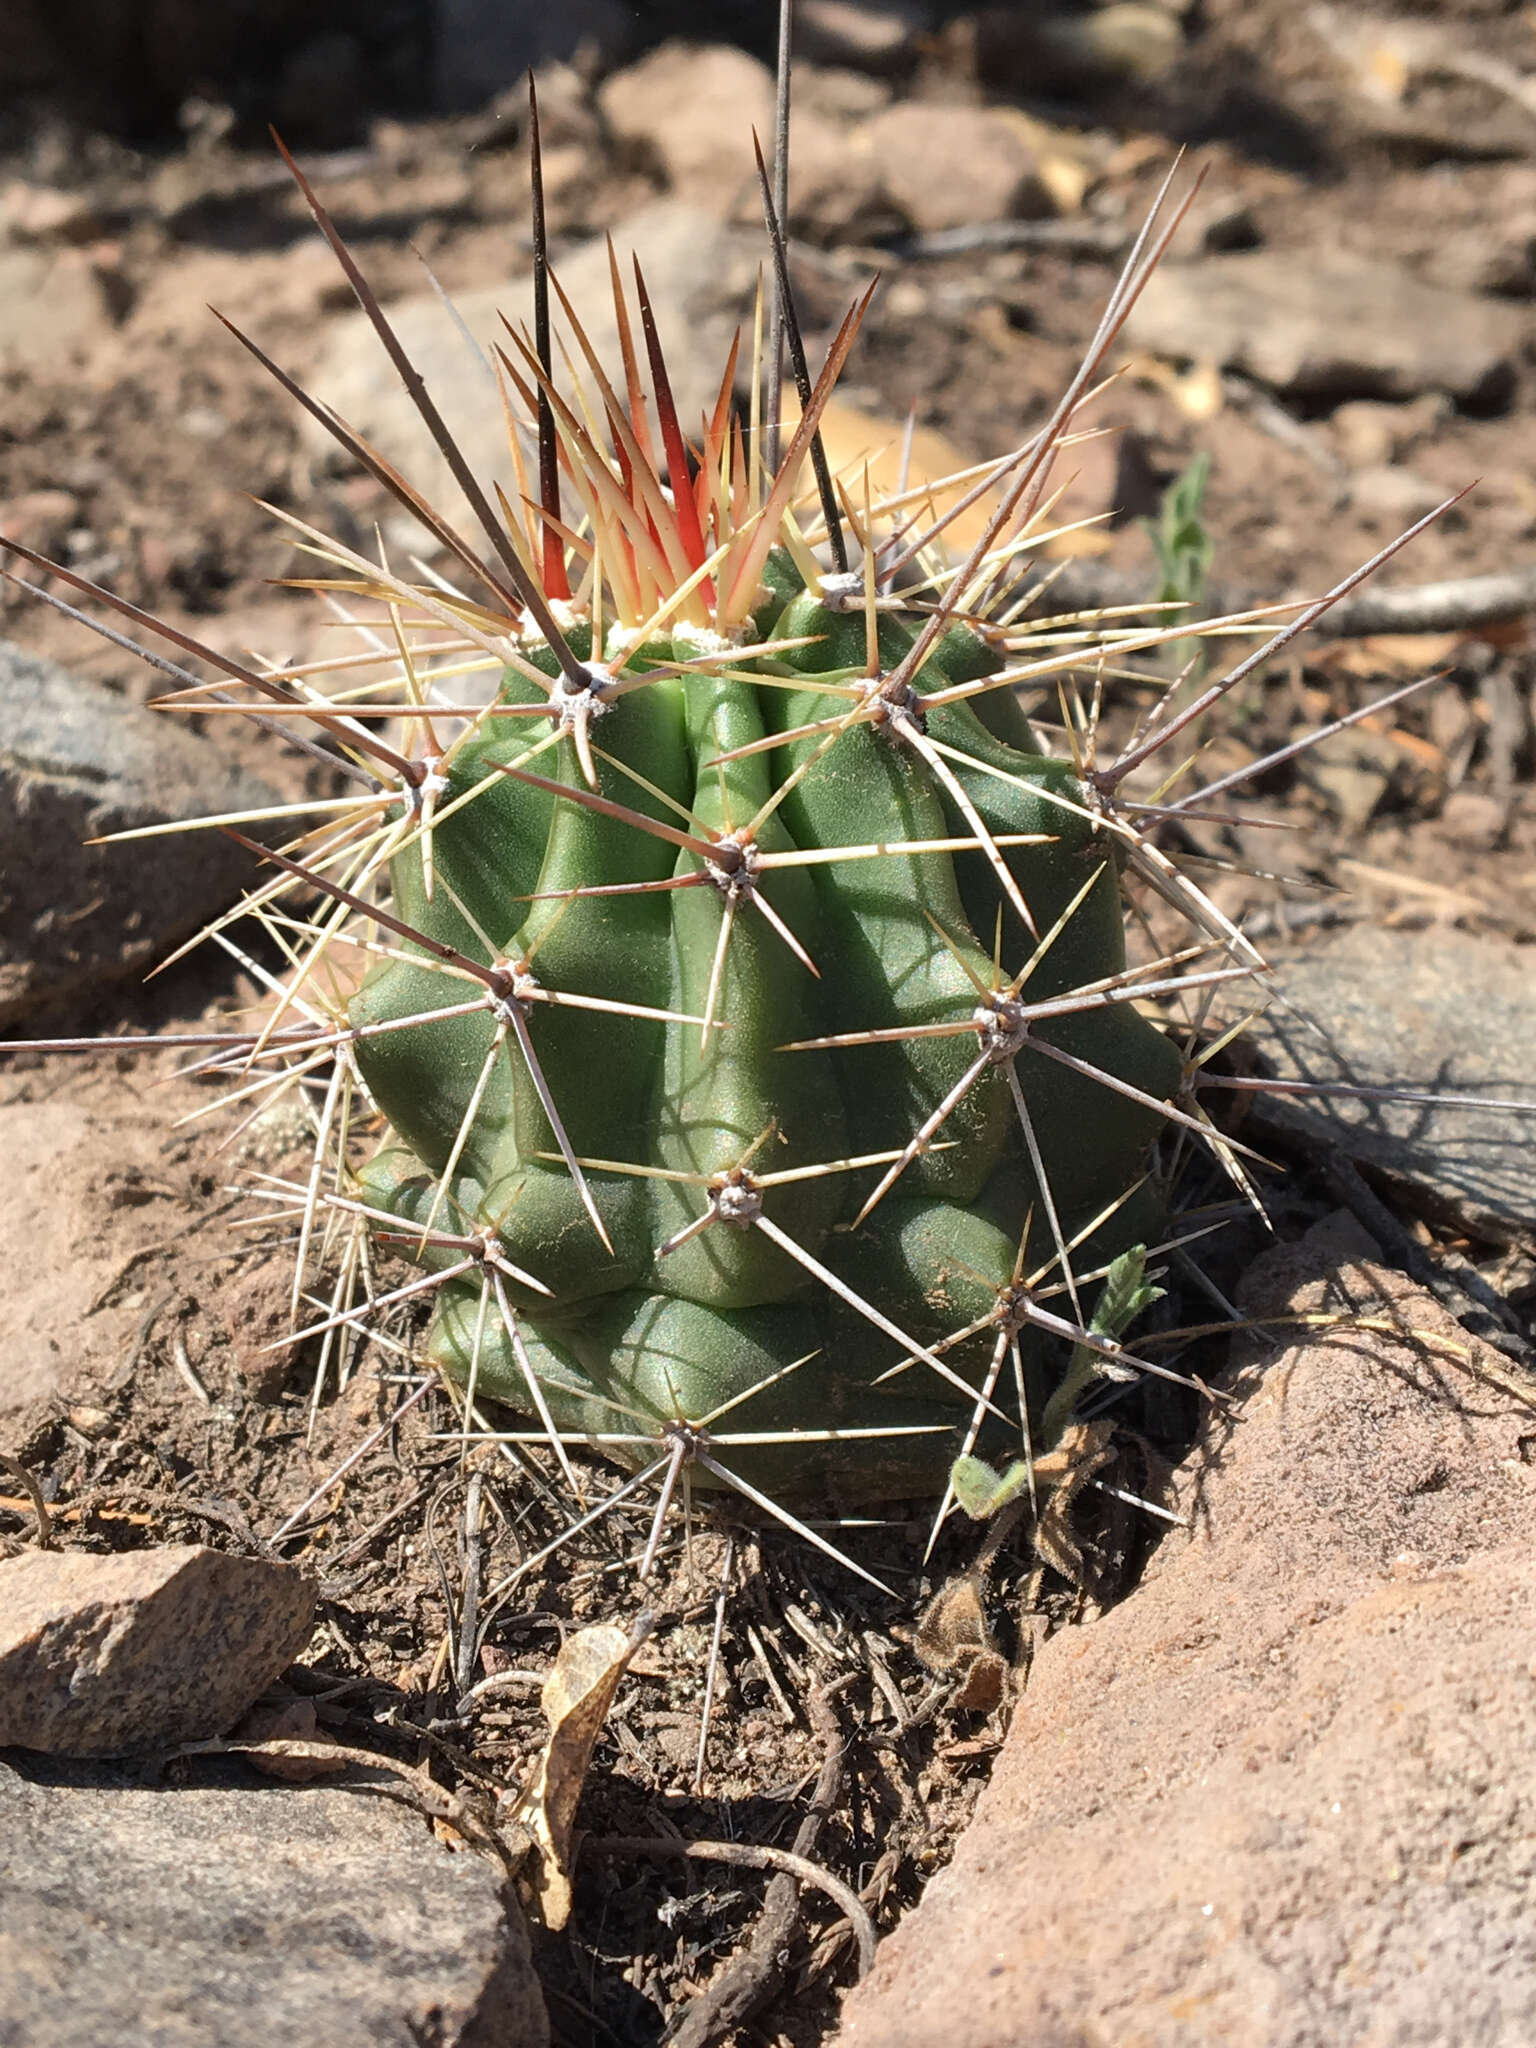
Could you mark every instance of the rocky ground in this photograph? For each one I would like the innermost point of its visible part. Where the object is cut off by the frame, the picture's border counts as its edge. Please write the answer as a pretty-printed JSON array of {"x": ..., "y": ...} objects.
[{"x": 1345, "y": 328}]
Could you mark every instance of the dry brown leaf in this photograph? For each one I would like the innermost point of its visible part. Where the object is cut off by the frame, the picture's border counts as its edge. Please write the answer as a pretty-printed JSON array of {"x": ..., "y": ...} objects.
[
  {"x": 1063, "y": 163},
  {"x": 577, "y": 1694},
  {"x": 1086, "y": 464},
  {"x": 853, "y": 437},
  {"x": 953, "y": 1635},
  {"x": 1389, "y": 654},
  {"x": 952, "y": 1629}
]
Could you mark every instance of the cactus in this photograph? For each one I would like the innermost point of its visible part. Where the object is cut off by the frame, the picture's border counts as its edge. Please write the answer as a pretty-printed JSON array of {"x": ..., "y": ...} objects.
[
  {"x": 748, "y": 1108},
  {"x": 758, "y": 1078},
  {"x": 760, "y": 1009}
]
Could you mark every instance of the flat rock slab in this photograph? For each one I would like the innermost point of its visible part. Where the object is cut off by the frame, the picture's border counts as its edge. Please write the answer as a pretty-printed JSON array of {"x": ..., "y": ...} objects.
[
  {"x": 1281, "y": 1796},
  {"x": 113, "y": 1656},
  {"x": 176, "y": 1918},
  {"x": 51, "y": 307},
  {"x": 701, "y": 278},
  {"x": 77, "y": 762},
  {"x": 707, "y": 158},
  {"x": 942, "y": 173},
  {"x": 78, "y": 1144},
  {"x": 1440, "y": 1010},
  {"x": 1322, "y": 325}
]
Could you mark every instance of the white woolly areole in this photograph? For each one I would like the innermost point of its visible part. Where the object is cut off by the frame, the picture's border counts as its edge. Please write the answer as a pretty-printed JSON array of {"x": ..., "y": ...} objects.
[{"x": 689, "y": 641}]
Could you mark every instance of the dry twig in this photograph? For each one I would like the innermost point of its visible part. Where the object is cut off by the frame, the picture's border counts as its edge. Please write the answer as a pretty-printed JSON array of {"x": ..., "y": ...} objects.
[
  {"x": 1459, "y": 604},
  {"x": 751, "y": 1978}
]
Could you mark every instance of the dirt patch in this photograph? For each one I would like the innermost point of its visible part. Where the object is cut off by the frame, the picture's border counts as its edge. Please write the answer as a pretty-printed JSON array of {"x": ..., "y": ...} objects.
[{"x": 136, "y": 1302}]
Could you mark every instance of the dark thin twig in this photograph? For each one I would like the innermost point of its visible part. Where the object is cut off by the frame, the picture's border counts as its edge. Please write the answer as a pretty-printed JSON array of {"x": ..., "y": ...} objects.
[
  {"x": 1454, "y": 605},
  {"x": 747, "y": 1982},
  {"x": 28, "y": 1479},
  {"x": 1067, "y": 237},
  {"x": 784, "y": 300},
  {"x": 224, "y": 1514},
  {"x": 1459, "y": 604},
  {"x": 420, "y": 1791}
]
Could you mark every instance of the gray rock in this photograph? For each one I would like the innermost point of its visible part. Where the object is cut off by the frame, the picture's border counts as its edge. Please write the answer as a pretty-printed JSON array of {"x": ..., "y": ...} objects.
[
  {"x": 1280, "y": 1796},
  {"x": 837, "y": 183},
  {"x": 1439, "y": 1010},
  {"x": 64, "y": 1322},
  {"x": 867, "y": 35},
  {"x": 944, "y": 168},
  {"x": 133, "y": 1917},
  {"x": 1475, "y": 818},
  {"x": 701, "y": 277},
  {"x": 1387, "y": 493},
  {"x": 77, "y": 761},
  {"x": 484, "y": 46},
  {"x": 119, "y": 1655},
  {"x": 1367, "y": 432},
  {"x": 51, "y": 307},
  {"x": 1498, "y": 255},
  {"x": 44, "y": 215},
  {"x": 1324, "y": 324},
  {"x": 1424, "y": 87},
  {"x": 692, "y": 108},
  {"x": 831, "y": 94}
]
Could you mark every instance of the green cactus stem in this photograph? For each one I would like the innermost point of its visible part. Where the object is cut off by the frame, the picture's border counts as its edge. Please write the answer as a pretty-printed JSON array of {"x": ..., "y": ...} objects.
[{"x": 751, "y": 1103}]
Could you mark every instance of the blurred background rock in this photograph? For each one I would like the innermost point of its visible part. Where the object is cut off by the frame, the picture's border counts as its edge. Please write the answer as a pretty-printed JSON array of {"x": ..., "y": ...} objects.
[{"x": 319, "y": 68}]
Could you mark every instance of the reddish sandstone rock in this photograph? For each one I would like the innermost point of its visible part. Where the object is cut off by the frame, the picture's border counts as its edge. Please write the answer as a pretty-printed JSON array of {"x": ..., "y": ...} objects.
[
  {"x": 109, "y": 1656},
  {"x": 1284, "y": 1794}
]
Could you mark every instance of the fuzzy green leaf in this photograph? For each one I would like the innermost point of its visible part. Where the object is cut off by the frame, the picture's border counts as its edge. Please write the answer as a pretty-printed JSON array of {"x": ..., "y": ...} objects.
[{"x": 981, "y": 1491}]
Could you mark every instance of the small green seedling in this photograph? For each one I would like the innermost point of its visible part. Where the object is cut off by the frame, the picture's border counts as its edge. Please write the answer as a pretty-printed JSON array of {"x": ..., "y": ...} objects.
[
  {"x": 983, "y": 1492},
  {"x": 1182, "y": 543}
]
